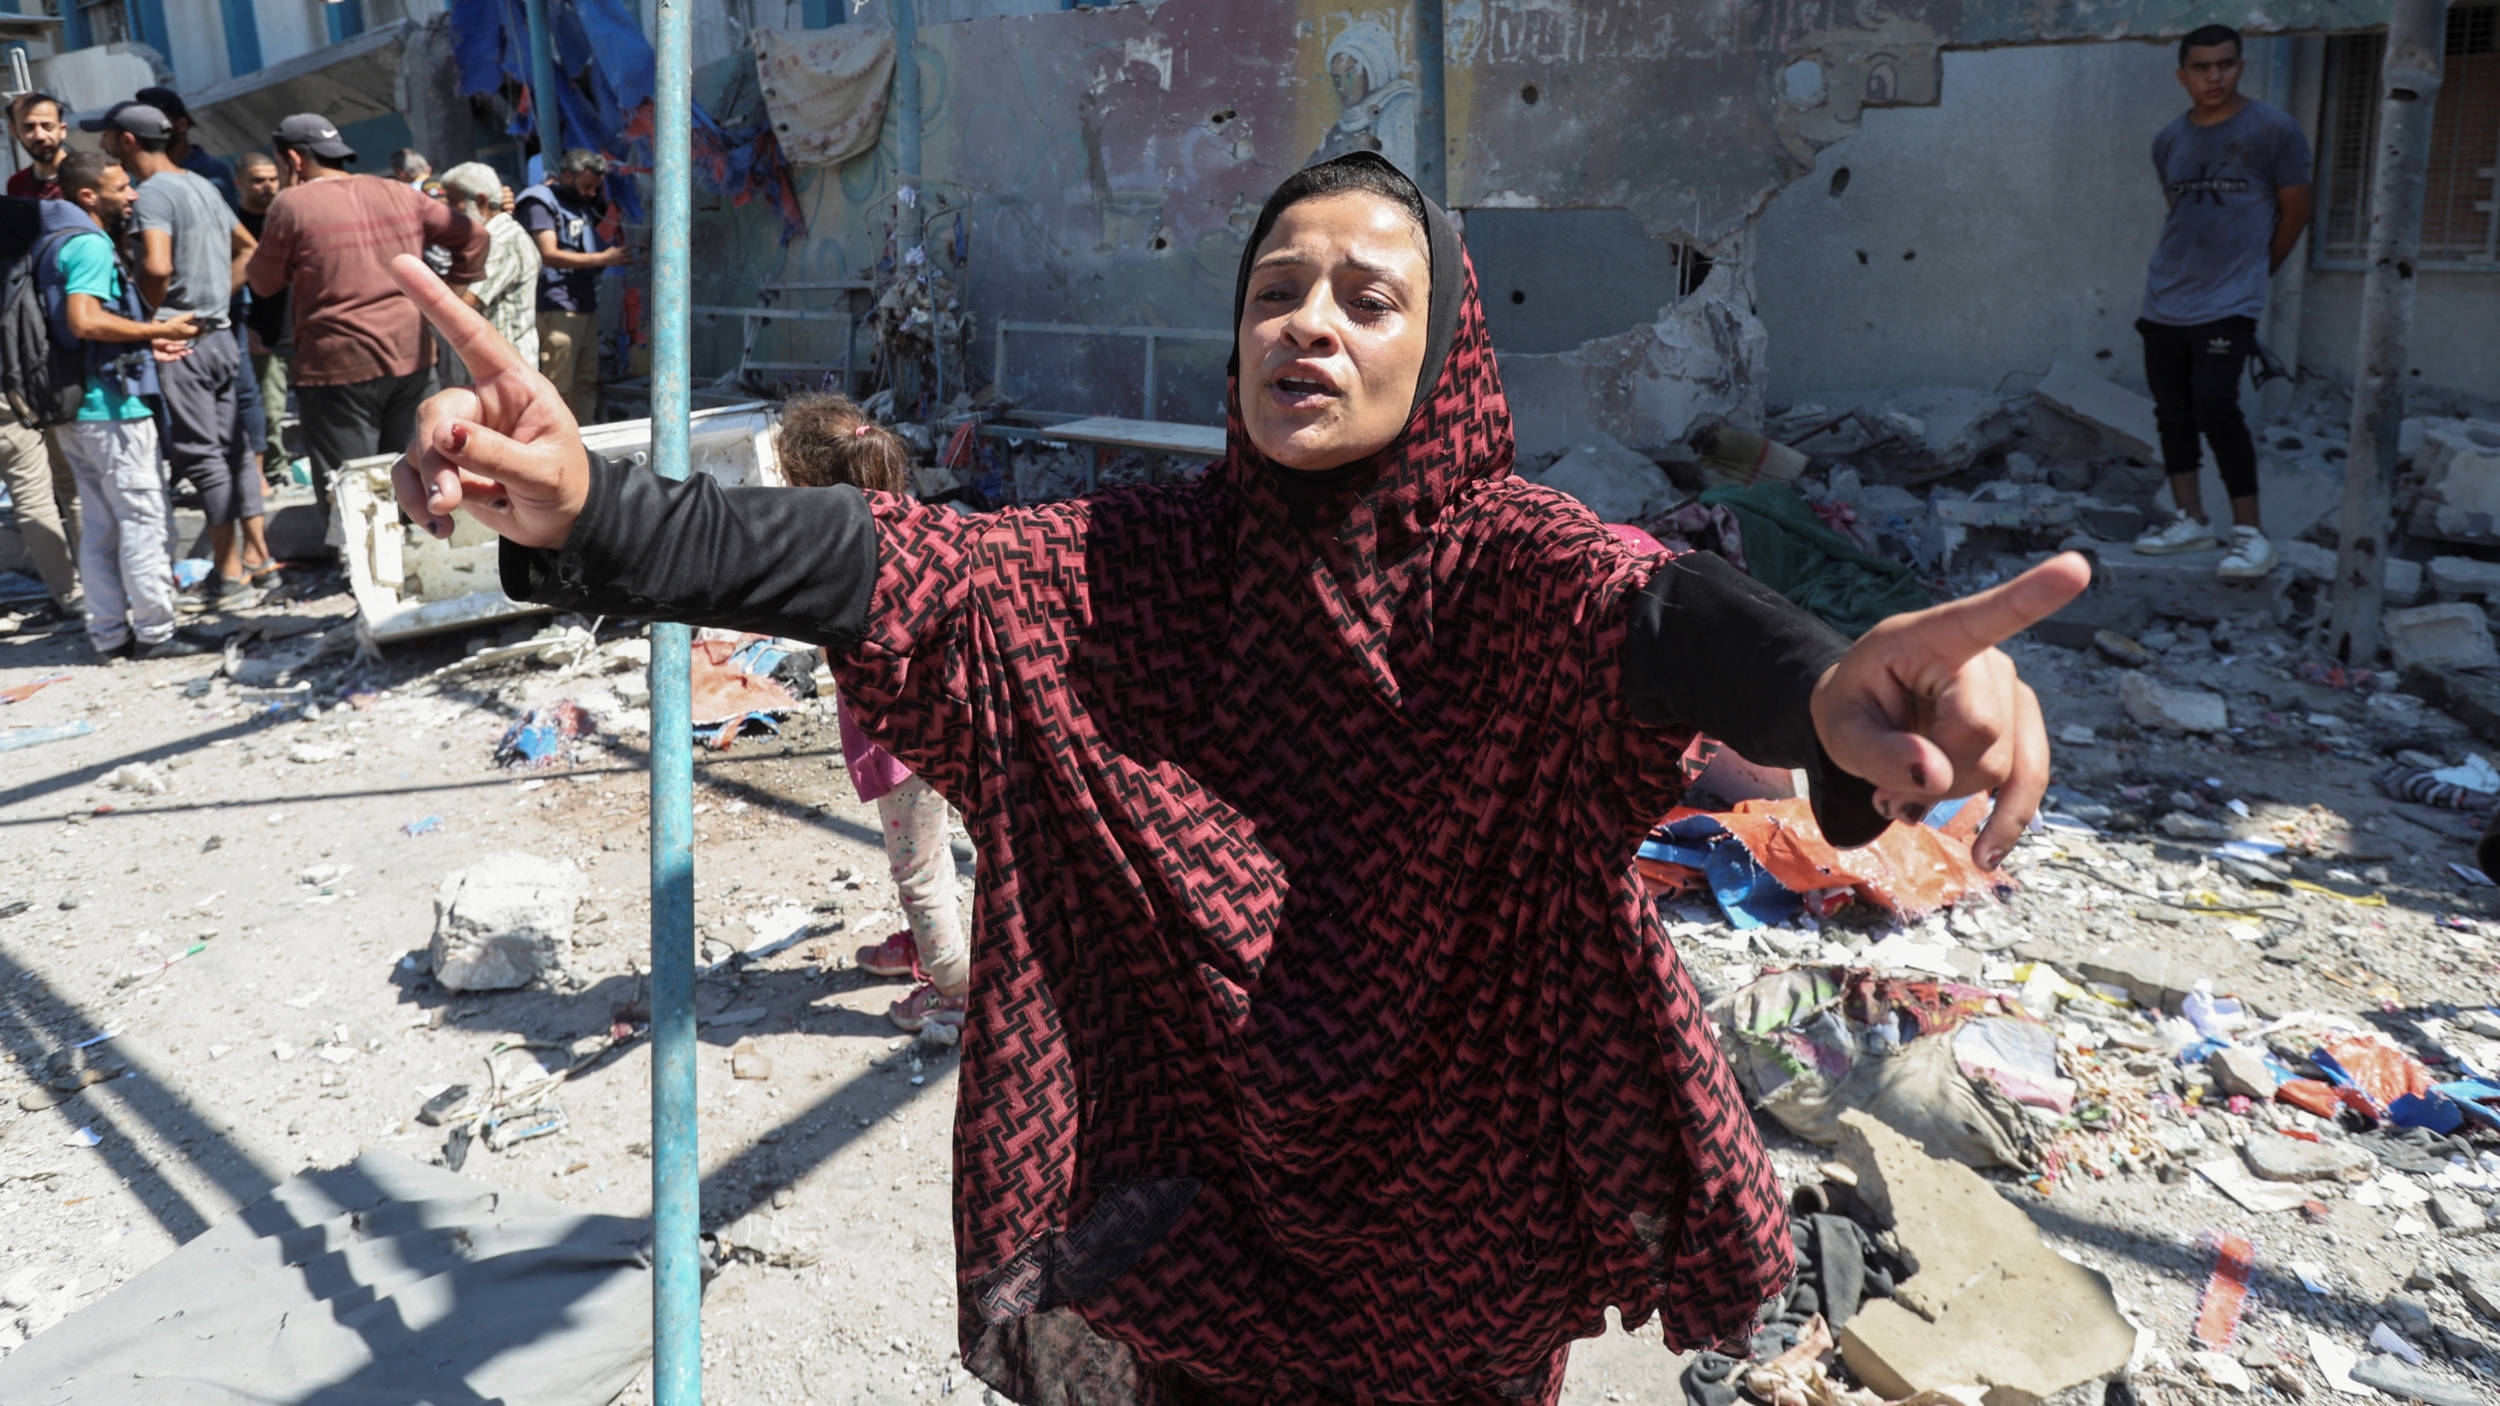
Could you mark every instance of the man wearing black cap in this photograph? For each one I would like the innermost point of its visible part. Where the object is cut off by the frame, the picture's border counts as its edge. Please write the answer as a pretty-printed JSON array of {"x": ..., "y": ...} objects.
[
  {"x": 185, "y": 154},
  {"x": 190, "y": 246},
  {"x": 363, "y": 360}
]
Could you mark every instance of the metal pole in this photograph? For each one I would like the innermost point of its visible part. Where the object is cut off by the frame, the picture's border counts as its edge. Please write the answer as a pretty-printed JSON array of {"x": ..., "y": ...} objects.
[
  {"x": 543, "y": 107},
  {"x": 1432, "y": 121},
  {"x": 676, "y": 1173},
  {"x": 2417, "y": 32}
]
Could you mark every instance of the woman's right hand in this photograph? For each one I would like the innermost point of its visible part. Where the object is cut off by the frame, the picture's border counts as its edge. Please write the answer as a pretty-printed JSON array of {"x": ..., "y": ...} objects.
[{"x": 506, "y": 448}]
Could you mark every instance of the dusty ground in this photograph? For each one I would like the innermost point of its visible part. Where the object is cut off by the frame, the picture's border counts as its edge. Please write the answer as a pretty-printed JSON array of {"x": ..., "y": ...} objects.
[{"x": 301, "y": 1031}]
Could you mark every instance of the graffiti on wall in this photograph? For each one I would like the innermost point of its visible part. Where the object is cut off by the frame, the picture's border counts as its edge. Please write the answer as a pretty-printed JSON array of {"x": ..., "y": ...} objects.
[{"x": 1376, "y": 101}]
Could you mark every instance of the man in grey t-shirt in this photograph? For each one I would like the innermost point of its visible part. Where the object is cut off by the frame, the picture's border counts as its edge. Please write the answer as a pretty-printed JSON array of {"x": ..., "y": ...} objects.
[
  {"x": 190, "y": 248},
  {"x": 2236, "y": 174}
]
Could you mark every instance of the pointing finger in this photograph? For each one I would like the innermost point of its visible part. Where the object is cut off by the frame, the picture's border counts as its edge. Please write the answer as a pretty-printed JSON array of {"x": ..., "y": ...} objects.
[
  {"x": 1960, "y": 629},
  {"x": 481, "y": 348}
]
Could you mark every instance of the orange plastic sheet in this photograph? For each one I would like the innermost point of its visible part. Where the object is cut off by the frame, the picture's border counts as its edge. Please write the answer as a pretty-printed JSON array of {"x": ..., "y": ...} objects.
[{"x": 1909, "y": 871}]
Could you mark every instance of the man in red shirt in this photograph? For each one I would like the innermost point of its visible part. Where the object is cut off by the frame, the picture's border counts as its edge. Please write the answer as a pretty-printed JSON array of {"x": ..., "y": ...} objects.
[
  {"x": 35, "y": 120},
  {"x": 363, "y": 360}
]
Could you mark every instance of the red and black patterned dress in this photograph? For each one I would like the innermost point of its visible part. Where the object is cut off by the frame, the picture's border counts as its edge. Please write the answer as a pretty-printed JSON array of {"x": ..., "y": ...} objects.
[{"x": 1322, "y": 1046}]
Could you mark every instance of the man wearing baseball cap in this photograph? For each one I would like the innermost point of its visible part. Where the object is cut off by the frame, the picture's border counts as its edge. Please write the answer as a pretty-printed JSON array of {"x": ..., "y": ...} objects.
[
  {"x": 363, "y": 360},
  {"x": 185, "y": 153},
  {"x": 189, "y": 242}
]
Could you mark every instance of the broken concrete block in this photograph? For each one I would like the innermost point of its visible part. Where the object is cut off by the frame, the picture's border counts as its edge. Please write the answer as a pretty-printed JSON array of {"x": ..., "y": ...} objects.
[
  {"x": 2154, "y": 980},
  {"x": 2239, "y": 1070},
  {"x": 1988, "y": 1304},
  {"x": 2459, "y": 461},
  {"x": 2180, "y": 825},
  {"x": 2401, "y": 585},
  {"x": 2479, "y": 1281},
  {"x": 503, "y": 923},
  {"x": 2274, "y": 1157},
  {"x": 2409, "y": 1383},
  {"x": 1617, "y": 484},
  {"x": 2089, "y": 614},
  {"x": 2457, "y": 1213},
  {"x": 2110, "y": 522},
  {"x": 2155, "y": 704},
  {"x": 2465, "y": 577},
  {"x": 2452, "y": 635},
  {"x": 2183, "y": 586}
]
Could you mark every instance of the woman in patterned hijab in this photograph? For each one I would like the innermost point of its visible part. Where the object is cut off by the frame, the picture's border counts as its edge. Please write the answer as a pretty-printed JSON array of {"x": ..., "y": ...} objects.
[{"x": 1322, "y": 1046}]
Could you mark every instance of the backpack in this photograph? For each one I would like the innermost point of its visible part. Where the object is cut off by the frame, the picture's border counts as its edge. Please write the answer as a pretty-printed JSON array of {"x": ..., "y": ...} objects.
[{"x": 43, "y": 376}]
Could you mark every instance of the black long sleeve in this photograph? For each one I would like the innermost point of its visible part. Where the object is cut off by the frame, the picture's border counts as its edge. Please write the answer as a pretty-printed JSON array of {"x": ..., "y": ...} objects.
[
  {"x": 798, "y": 562},
  {"x": 1714, "y": 649}
]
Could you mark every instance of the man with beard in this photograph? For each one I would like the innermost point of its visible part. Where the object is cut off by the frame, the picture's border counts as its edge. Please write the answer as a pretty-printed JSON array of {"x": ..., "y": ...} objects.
[
  {"x": 35, "y": 120},
  {"x": 111, "y": 445}
]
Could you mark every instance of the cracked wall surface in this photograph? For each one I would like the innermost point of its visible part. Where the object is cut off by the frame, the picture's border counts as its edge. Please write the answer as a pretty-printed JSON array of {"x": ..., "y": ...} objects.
[{"x": 1114, "y": 159}]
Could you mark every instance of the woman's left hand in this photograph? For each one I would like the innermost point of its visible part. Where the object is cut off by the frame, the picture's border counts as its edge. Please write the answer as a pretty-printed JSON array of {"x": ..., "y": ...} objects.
[{"x": 1927, "y": 708}]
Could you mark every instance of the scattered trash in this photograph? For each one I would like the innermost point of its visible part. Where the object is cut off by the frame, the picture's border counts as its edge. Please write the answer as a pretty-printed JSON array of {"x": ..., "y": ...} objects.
[
  {"x": 17, "y": 737},
  {"x": 502, "y": 1133},
  {"x": 2335, "y": 1363},
  {"x": 1950, "y": 1065},
  {"x": 19, "y": 693},
  {"x": 427, "y": 826},
  {"x": 748, "y": 1061},
  {"x": 1765, "y": 862},
  {"x": 543, "y": 736},
  {"x": 139, "y": 777},
  {"x": 438, "y": 1109},
  {"x": 2232, "y": 1178},
  {"x": 2226, "y": 1292},
  {"x": 84, "y": 1137}
]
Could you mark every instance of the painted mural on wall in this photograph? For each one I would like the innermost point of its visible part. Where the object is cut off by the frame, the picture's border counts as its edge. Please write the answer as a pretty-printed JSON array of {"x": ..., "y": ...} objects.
[{"x": 1376, "y": 101}]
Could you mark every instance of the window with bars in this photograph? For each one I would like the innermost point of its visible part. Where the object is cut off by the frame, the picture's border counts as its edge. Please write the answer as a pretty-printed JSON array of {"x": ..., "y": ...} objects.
[{"x": 2461, "y": 209}]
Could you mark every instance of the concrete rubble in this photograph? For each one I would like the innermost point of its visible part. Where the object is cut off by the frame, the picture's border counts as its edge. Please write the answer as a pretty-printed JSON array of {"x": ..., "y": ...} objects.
[
  {"x": 2216, "y": 889},
  {"x": 1988, "y": 1303},
  {"x": 504, "y": 922},
  {"x": 2159, "y": 705},
  {"x": 1616, "y": 484}
]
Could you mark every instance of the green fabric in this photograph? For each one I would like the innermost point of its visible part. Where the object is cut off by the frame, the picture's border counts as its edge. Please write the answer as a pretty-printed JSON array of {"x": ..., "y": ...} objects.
[
  {"x": 1788, "y": 549},
  {"x": 88, "y": 266}
]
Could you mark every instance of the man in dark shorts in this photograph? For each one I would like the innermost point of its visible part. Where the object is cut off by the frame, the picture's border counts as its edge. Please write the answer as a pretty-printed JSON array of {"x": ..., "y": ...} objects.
[{"x": 2236, "y": 174}]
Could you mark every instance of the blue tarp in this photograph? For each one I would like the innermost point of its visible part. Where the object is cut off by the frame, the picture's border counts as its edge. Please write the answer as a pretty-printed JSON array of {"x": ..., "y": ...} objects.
[{"x": 605, "y": 71}]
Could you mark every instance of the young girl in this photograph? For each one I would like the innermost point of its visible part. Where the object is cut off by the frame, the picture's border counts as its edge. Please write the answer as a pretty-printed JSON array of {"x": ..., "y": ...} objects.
[{"x": 825, "y": 440}]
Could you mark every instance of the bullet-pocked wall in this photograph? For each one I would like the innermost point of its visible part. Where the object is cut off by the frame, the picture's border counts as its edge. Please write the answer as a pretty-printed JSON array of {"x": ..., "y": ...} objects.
[{"x": 1112, "y": 160}]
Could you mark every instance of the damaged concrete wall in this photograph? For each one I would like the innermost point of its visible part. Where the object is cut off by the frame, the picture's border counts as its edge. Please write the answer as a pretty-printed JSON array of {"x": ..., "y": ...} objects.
[
  {"x": 2455, "y": 351},
  {"x": 1114, "y": 159},
  {"x": 1870, "y": 274},
  {"x": 1978, "y": 239}
]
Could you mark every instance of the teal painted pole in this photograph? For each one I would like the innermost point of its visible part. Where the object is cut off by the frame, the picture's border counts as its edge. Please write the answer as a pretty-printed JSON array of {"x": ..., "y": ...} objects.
[
  {"x": 543, "y": 108},
  {"x": 676, "y": 1171}
]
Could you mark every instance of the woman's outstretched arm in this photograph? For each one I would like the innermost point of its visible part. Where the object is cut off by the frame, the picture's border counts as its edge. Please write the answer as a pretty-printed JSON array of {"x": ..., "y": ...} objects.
[{"x": 585, "y": 534}]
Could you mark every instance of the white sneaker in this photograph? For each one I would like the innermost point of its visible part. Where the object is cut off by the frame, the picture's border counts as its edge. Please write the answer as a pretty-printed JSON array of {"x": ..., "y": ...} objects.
[
  {"x": 2180, "y": 534},
  {"x": 2252, "y": 556}
]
